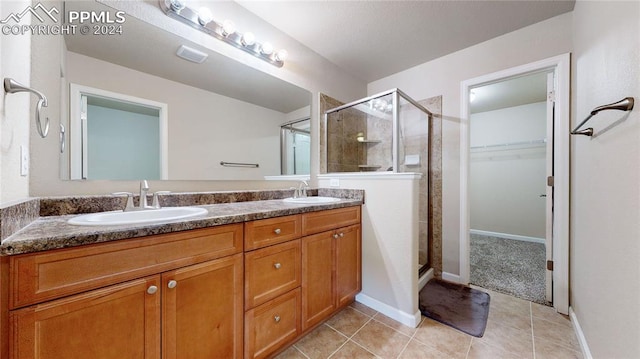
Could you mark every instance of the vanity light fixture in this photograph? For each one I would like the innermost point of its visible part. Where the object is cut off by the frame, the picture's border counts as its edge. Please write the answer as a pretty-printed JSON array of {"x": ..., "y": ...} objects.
[{"x": 202, "y": 19}]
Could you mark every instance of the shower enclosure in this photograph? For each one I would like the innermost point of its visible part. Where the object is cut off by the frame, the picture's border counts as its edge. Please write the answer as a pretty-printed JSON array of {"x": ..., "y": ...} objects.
[
  {"x": 387, "y": 132},
  {"x": 295, "y": 147}
]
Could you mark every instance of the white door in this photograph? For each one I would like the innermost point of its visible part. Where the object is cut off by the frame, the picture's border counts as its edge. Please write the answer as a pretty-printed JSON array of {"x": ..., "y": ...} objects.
[{"x": 549, "y": 187}]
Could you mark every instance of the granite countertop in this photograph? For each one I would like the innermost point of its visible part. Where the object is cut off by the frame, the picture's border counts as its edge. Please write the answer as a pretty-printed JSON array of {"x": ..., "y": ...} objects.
[{"x": 53, "y": 232}]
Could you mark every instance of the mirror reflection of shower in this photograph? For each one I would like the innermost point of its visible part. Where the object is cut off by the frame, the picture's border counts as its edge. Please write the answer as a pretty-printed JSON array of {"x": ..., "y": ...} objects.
[{"x": 295, "y": 147}]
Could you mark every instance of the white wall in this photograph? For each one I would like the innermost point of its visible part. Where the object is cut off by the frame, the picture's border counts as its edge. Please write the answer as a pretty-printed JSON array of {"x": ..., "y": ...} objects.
[
  {"x": 389, "y": 242},
  {"x": 605, "y": 178},
  {"x": 442, "y": 76},
  {"x": 505, "y": 183},
  {"x": 16, "y": 110}
]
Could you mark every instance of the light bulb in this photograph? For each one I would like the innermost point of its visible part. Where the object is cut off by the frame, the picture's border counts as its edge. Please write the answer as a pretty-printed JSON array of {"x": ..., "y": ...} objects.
[
  {"x": 472, "y": 96},
  {"x": 177, "y": 5},
  {"x": 204, "y": 16},
  {"x": 382, "y": 105},
  {"x": 282, "y": 55},
  {"x": 267, "y": 48},
  {"x": 248, "y": 39},
  {"x": 228, "y": 28}
]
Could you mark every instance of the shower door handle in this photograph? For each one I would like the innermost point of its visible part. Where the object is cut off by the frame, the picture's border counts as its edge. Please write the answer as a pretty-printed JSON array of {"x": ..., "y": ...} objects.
[{"x": 543, "y": 195}]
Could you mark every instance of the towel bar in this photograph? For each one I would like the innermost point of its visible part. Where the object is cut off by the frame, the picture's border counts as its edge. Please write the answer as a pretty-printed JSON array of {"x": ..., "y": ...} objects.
[{"x": 626, "y": 104}]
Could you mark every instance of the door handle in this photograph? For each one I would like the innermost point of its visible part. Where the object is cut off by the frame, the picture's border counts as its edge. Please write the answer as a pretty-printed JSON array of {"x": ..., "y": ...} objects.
[{"x": 543, "y": 195}]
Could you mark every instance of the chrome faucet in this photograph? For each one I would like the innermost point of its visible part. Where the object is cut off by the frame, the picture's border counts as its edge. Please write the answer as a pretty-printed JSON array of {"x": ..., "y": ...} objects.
[
  {"x": 144, "y": 190},
  {"x": 302, "y": 188},
  {"x": 143, "y": 203}
]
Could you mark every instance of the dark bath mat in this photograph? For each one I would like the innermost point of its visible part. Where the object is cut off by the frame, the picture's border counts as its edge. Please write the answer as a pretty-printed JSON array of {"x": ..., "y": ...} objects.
[{"x": 455, "y": 305}]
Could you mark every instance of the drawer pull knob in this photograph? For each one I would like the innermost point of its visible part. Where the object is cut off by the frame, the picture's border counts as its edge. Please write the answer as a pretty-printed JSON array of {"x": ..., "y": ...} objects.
[
  {"x": 277, "y": 231},
  {"x": 277, "y": 265},
  {"x": 152, "y": 289},
  {"x": 341, "y": 234},
  {"x": 172, "y": 284},
  {"x": 276, "y": 318},
  {"x": 335, "y": 235}
]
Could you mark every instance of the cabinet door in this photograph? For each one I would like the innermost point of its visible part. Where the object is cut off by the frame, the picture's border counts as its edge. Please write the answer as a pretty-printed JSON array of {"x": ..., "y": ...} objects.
[
  {"x": 203, "y": 311},
  {"x": 120, "y": 321},
  {"x": 348, "y": 244},
  {"x": 317, "y": 278}
]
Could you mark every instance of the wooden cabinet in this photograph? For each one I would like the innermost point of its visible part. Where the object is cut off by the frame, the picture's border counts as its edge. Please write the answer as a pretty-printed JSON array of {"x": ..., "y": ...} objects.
[
  {"x": 272, "y": 325},
  {"x": 348, "y": 264},
  {"x": 272, "y": 284},
  {"x": 121, "y": 321},
  {"x": 271, "y": 271},
  {"x": 189, "y": 307},
  {"x": 232, "y": 291},
  {"x": 317, "y": 279},
  {"x": 266, "y": 232},
  {"x": 316, "y": 222},
  {"x": 331, "y": 276},
  {"x": 202, "y": 314}
]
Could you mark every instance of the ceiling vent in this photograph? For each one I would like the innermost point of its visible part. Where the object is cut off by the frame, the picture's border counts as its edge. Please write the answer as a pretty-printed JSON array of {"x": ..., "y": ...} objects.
[{"x": 191, "y": 54}]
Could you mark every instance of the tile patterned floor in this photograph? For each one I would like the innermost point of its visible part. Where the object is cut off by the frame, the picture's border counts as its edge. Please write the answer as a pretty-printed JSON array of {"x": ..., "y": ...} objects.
[{"x": 516, "y": 329}]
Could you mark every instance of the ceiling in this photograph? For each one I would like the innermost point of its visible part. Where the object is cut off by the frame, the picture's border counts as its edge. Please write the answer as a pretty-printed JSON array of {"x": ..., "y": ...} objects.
[
  {"x": 375, "y": 39},
  {"x": 512, "y": 92},
  {"x": 369, "y": 39}
]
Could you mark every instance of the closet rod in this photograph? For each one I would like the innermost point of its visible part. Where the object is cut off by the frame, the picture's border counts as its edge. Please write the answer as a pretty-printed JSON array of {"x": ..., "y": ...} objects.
[{"x": 533, "y": 142}]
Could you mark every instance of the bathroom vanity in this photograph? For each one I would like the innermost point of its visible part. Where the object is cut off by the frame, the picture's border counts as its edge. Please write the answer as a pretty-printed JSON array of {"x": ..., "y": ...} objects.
[{"x": 247, "y": 288}]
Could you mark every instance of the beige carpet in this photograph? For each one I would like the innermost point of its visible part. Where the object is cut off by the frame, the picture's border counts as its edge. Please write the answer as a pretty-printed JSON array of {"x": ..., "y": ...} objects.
[{"x": 509, "y": 266}]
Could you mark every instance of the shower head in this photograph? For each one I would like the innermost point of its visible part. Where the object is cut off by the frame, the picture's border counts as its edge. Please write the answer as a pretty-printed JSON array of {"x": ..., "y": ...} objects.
[{"x": 625, "y": 104}]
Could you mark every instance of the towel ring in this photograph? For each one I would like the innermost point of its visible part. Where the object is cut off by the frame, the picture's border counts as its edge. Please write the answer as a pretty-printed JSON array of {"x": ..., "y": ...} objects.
[{"x": 13, "y": 86}]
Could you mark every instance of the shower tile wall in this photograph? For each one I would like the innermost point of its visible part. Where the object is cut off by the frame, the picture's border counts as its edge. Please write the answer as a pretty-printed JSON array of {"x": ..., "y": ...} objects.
[
  {"x": 379, "y": 155},
  {"x": 345, "y": 152}
]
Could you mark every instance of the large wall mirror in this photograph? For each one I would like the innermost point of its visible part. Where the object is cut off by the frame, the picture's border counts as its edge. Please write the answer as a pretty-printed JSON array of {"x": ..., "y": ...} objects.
[{"x": 224, "y": 119}]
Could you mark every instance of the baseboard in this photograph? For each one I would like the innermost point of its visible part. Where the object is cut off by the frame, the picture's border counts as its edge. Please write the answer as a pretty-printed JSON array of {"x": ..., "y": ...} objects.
[
  {"x": 450, "y": 277},
  {"x": 586, "y": 353},
  {"x": 411, "y": 320},
  {"x": 427, "y": 276},
  {"x": 516, "y": 237}
]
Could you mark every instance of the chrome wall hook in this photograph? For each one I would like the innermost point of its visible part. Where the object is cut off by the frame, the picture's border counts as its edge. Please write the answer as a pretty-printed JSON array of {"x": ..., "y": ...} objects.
[{"x": 12, "y": 86}]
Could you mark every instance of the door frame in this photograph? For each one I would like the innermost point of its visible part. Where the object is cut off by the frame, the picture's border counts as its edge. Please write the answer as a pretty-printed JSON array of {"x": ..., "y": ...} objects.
[{"x": 562, "y": 66}]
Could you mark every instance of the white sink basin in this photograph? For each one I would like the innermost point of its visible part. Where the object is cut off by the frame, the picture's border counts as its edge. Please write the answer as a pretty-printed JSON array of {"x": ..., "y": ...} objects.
[
  {"x": 311, "y": 200},
  {"x": 137, "y": 217}
]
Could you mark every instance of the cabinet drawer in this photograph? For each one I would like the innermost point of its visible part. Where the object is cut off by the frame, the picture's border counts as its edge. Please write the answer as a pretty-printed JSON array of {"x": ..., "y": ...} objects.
[
  {"x": 316, "y": 222},
  {"x": 43, "y": 276},
  {"x": 271, "y": 271},
  {"x": 272, "y": 325},
  {"x": 265, "y": 232}
]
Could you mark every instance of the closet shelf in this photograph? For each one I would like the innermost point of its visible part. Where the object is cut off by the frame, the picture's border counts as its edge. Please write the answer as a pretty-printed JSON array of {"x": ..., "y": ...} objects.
[{"x": 510, "y": 146}]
